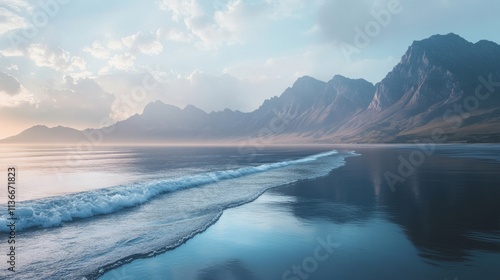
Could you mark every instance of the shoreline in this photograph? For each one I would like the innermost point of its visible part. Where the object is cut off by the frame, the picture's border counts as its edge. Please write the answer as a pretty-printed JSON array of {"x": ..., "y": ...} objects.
[
  {"x": 354, "y": 207},
  {"x": 112, "y": 266}
]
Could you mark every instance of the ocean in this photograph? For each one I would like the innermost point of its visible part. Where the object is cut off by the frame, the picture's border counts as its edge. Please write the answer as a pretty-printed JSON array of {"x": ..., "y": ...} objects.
[{"x": 326, "y": 212}]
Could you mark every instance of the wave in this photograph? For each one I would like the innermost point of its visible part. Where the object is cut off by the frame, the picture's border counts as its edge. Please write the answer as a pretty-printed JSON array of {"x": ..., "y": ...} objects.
[{"x": 54, "y": 211}]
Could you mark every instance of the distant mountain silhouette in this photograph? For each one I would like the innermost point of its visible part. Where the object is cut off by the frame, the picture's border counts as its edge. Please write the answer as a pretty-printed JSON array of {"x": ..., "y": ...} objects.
[
  {"x": 444, "y": 89},
  {"x": 44, "y": 134}
]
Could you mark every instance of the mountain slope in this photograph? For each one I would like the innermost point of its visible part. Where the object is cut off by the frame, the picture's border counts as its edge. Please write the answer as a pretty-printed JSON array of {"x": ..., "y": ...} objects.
[
  {"x": 433, "y": 87},
  {"x": 43, "y": 134},
  {"x": 443, "y": 85}
]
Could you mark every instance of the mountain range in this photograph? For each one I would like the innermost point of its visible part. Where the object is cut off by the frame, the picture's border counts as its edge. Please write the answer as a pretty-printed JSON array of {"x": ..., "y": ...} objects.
[{"x": 444, "y": 89}]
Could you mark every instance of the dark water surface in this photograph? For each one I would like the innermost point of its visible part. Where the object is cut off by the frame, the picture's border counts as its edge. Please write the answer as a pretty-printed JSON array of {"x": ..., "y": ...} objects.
[{"x": 441, "y": 220}]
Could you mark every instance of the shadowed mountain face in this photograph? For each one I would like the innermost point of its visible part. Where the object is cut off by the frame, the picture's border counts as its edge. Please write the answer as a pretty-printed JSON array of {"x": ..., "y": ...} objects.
[
  {"x": 444, "y": 89},
  {"x": 443, "y": 83}
]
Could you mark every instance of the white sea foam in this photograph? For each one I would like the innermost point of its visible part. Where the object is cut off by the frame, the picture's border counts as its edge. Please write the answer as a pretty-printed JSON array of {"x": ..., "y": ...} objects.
[{"x": 51, "y": 212}]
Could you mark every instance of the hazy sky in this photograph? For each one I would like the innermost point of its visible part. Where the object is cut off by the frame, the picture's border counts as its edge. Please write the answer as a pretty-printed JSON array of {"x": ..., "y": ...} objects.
[{"x": 84, "y": 63}]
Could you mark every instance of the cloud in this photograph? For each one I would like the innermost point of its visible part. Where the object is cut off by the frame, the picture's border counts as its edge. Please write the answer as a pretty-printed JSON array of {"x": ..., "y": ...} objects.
[
  {"x": 197, "y": 21},
  {"x": 104, "y": 49},
  {"x": 55, "y": 58},
  {"x": 10, "y": 21},
  {"x": 223, "y": 23},
  {"x": 12, "y": 67},
  {"x": 121, "y": 54},
  {"x": 97, "y": 50},
  {"x": 237, "y": 17},
  {"x": 179, "y": 9},
  {"x": 79, "y": 103},
  {"x": 77, "y": 100},
  {"x": 12, "y": 52},
  {"x": 9, "y": 84},
  {"x": 18, "y": 6},
  {"x": 12, "y": 93},
  {"x": 338, "y": 20},
  {"x": 114, "y": 45},
  {"x": 174, "y": 34},
  {"x": 206, "y": 91},
  {"x": 143, "y": 43},
  {"x": 23, "y": 98},
  {"x": 121, "y": 62}
]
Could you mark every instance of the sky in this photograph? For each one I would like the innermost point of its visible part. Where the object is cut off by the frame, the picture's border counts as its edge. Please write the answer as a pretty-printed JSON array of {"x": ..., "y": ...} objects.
[{"x": 90, "y": 63}]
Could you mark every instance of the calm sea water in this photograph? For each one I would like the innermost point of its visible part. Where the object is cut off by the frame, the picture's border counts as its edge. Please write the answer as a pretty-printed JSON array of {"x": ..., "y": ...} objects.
[
  {"x": 328, "y": 213},
  {"x": 441, "y": 222},
  {"x": 83, "y": 213}
]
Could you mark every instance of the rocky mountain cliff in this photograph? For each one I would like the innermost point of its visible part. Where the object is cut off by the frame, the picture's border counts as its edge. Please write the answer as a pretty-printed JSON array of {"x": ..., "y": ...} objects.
[{"x": 443, "y": 85}]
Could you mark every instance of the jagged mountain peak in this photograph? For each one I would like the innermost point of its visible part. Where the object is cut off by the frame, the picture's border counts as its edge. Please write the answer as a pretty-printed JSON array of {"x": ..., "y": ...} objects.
[
  {"x": 443, "y": 39},
  {"x": 339, "y": 80},
  {"x": 159, "y": 107},
  {"x": 307, "y": 82},
  {"x": 432, "y": 76},
  {"x": 39, "y": 126},
  {"x": 193, "y": 109},
  {"x": 442, "y": 62}
]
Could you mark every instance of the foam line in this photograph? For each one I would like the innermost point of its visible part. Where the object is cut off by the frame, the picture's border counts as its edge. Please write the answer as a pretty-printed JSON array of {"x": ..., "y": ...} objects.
[{"x": 52, "y": 212}]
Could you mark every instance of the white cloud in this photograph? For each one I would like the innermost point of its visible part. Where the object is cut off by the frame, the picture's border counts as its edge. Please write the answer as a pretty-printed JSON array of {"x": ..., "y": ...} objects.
[
  {"x": 12, "y": 52},
  {"x": 143, "y": 43},
  {"x": 234, "y": 20},
  {"x": 180, "y": 8},
  {"x": 12, "y": 67},
  {"x": 97, "y": 50},
  {"x": 114, "y": 45},
  {"x": 120, "y": 54},
  {"x": 228, "y": 22},
  {"x": 173, "y": 34},
  {"x": 55, "y": 58},
  {"x": 18, "y": 5},
  {"x": 122, "y": 61},
  {"x": 225, "y": 24},
  {"x": 24, "y": 97},
  {"x": 10, "y": 21}
]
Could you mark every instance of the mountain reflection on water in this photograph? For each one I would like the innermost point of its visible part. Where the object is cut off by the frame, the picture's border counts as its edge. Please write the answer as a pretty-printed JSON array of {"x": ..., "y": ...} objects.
[{"x": 448, "y": 208}]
